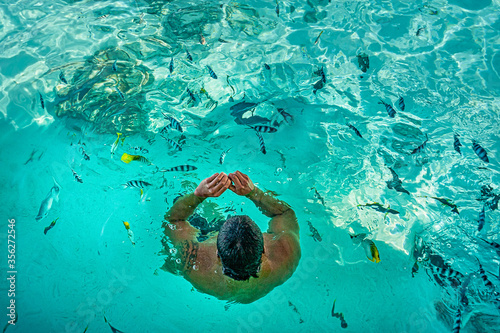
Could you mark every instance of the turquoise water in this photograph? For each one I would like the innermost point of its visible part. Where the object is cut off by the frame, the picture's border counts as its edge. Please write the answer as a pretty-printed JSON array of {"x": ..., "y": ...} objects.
[{"x": 442, "y": 57}]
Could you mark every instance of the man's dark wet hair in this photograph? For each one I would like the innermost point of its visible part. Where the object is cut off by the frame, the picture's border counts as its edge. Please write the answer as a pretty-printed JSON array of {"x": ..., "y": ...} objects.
[{"x": 240, "y": 245}]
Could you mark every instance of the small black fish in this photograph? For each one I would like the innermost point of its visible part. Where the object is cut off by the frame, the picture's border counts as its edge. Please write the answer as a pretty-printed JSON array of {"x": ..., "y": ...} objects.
[
  {"x": 266, "y": 66},
  {"x": 171, "y": 65},
  {"x": 339, "y": 315},
  {"x": 481, "y": 220},
  {"x": 62, "y": 78},
  {"x": 480, "y": 152},
  {"x": 288, "y": 117},
  {"x": 318, "y": 85},
  {"x": 191, "y": 95},
  {"x": 414, "y": 269},
  {"x": 420, "y": 31},
  {"x": 379, "y": 208},
  {"x": 318, "y": 196},
  {"x": 355, "y": 130},
  {"x": 448, "y": 203},
  {"x": 181, "y": 168},
  {"x": 52, "y": 224},
  {"x": 264, "y": 129},
  {"x": 421, "y": 147},
  {"x": 277, "y": 8},
  {"x": 401, "y": 103},
  {"x": 390, "y": 110},
  {"x": 223, "y": 155},
  {"x": 114, "y": 67},
  {"x": 315, "y": 234},
  {"x": 396, "y": 183},
  {"x": 77, "y": 178},
  {"x": 363, "y": 62},
  {"x": 41, "y": 101},
  {"x": 262, "y": 144},
  {"x": 188, "y": 55},
  {"x": 211, "y": 72},
  {"x": 322, "y": 74},
  {"x": 136, "y": 184},
  {"x": 456, "y": 143}
]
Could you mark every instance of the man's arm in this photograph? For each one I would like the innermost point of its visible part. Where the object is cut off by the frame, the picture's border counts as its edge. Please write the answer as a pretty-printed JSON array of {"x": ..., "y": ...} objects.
[{"x": 283, "y": 217}]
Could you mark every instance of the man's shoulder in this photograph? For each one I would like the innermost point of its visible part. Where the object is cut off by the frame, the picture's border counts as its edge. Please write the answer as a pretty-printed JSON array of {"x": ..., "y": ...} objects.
[{"x": 283, "y": 247}]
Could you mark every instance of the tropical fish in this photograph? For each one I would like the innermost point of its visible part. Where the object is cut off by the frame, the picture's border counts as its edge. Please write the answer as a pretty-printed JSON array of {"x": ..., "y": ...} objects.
[
  {"x": 202, "y": 40},
  {"x": 368, "y": 245},
  {"x": 262, "y": 144},
  {"x": 31, "y": 157},
  {"x": 232, "y": 88},
  {"x": 390, "y": 111},
  {"x": 288, "y": 117},
  {"x": 10, "y": 322},
  {"x": 127, "y": 158},
  {"x": 120, "y": 93},
  {"x": 481, "y": 220},
  {"x": 129, "y": 232},
  {"x": 456, "y": 143},
  {"x": 181, "y": 168},
  {"x": 421, "y": 147},
  {"x": 191, "y": 95},
  {"x": 62, "y": 78},
  {"x": 355, "y": 130},
  {"x": 318, "y": 85},
  {"x": 175, "y": 124},
  {"x": 480, "y": 152},
  {"x": 84, "y": 154},
  {"x": 41, "y": 101},
  {"x": 136, "y": 183},
  {"x": 211, "y": 72},
  {"x": 318, "y": 196},
  {"x": 46, "y": 204},
  {"x": 223, "y": 155},
  {"x": 401, "y": 103},
  {"x": 448, "y": 203},
  {"x": 77, "y": 177},
  {"x": 277, "y": 8},
  {"x": 266, "y": 66},
  {"x": 315, "y": 234},
  {"x": 115, "y": 144},
  {"x": 379, "y": 208},
  {"x": 52, "y": 224},
  {"x": 340, "y": 315},
  {"x": 420, "y": 31},
  {"x": 114, "y": 67},
  {"x": 458, "y": 322},
  {"x": 317, "y": 38},
  {"x": 263, "y": 129},
  {"x": 484, "y": 277},
  {"x": 446, "y": 272},
  {"x": 363, "y": 62},
  {"x": 188, "y": 56},
  {"x": 174, "y": 144},
  {"x": 114, "y": 330},
  {"x": 171, "y": 65},
  {"x": 396, "y": 183}
]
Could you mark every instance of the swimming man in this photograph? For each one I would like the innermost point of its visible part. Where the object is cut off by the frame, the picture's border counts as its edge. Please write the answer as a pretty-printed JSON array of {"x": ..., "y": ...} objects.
[{"x": 239, "y": 263}]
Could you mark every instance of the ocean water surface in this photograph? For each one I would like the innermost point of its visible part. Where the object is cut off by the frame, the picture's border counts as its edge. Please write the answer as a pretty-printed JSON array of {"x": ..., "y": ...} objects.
[{"x": 387, "y": 116}]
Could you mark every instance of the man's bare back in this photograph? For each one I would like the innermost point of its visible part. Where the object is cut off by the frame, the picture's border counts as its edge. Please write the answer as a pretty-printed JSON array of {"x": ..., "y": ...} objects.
[{"x": 199, "y": 261}]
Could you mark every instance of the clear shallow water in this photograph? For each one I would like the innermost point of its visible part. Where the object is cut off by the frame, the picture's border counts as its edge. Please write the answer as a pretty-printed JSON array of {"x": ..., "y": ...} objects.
[{"x": 85, "y": 266}]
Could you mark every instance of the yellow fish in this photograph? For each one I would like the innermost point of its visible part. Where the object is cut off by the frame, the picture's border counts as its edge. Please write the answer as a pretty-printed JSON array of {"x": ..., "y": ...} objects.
[
  {"x": 127, "y": 158},
  {"x": 129, "y": 232},
  {"x": 115, "y": 144},
  {"x": 371, "y": 250}
]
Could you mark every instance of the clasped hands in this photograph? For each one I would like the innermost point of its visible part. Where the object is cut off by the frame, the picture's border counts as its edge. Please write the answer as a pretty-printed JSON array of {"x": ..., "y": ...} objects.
[{"x": 218, "y": 183}]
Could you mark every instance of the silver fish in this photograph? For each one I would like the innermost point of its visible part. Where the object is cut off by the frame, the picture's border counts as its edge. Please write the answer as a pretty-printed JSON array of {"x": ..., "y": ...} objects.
[
  {"x": 46, "y": 204},
  {"x": 223, "y": 155}
]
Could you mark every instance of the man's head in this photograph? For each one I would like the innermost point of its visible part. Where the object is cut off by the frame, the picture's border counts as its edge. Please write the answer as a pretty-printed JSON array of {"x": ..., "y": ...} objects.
[{"x": 240, "y": 246}]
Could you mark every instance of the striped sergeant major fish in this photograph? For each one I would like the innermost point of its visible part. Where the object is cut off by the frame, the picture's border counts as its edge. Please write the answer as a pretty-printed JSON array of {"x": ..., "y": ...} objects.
[
  {"x": 482, "y": 216},
  {"x": 211, "y": 72},
  {"x": 46, "y": 204},
  {"x": 180, "y": 168},
  {"x": 401, "y": 103},
  {"x": 262, "y": 144},
  {"x": 136, "y": 183},
  {"x": 263, "y": 129},
  {"x": 188, "y": 56},
  {"x": 171, "y": 65},
  {"x": 390, "y": 111},
  {"x": 484, "y": 277},
  {"x": 62, "y": 78},
  {"x": 175, "y": 124},
  {"x": 421, "y": 147},
  {"x": 174, "y": 144},
  {"x": 456, "y": 143},
  {"x": 355, "y": 130},
  {"x": 42, "y": 103},
  {"x": 191, "y": 95},
  {"x": 480, "y": 152},
  {"x": 458, "y": 322},
  {"x": 223, "y": 155},
  {"x": 52, "y": 224},
  {"x": 315, "y": 234},
  {"x": 446, "y": 272},
  {"x": 77, "y": 177}
]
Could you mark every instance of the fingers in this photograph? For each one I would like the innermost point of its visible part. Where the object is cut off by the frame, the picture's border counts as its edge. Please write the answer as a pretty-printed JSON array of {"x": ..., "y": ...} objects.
[
  {"x": 222, "y": 184},
  {"x": 216, "y": 180},
  {"x": 223, "y": 188},
  {"x": 212, "y": 177},
  {"x": 234, "y": 177}
]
